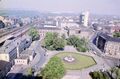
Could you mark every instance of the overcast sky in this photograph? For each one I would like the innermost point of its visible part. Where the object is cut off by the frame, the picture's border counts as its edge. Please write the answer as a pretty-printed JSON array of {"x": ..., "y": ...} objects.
[{"x": 76, "y": 6}]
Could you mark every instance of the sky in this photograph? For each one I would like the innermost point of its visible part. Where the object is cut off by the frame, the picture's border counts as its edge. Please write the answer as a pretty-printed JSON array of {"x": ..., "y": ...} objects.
[{"x": 111, "y": 7}]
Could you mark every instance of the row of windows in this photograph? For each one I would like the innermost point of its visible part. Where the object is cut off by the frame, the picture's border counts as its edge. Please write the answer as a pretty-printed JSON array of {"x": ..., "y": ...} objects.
[{"x": 19, "y": 61}]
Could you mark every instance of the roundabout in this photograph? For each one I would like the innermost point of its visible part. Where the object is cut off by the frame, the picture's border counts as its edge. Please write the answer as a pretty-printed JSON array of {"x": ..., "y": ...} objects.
[{"x": 75, "y": 61}]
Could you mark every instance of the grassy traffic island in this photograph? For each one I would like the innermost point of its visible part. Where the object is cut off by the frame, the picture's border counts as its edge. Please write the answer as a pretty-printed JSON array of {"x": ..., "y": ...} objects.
[
  {"x": 57, "y": 65},
  {"x": 76, "y": 62}
]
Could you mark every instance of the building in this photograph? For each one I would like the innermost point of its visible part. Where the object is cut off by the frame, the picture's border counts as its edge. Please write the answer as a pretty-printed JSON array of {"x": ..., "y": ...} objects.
[
  {"x": 25, "y": 57},
  {"x": 84, "y": 18},
  {"x": 21, "y": 61},
  {"x": 2, "y": 18},
  {"x": 24, "y": 42},
  {"x": 49, "y": 25},
  {"x": 8, "y": 51},
  {"x": 115, "y": 29},
  {"x": 69, "y": 24},
  {"x": 2, "y": 25},
  {"x": 108, "y": 45},
  {"x": 26, "y": 20},
  {"x": 81, "y": 32},
  {"x": 44, "y": 30},
  {"x": 4, "y": 68},
  {"x": 112, "y": 48}
]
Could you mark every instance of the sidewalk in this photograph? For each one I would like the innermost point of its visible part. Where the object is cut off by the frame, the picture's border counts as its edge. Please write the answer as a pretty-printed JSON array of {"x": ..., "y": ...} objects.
[{"x": 84, "y": 73}]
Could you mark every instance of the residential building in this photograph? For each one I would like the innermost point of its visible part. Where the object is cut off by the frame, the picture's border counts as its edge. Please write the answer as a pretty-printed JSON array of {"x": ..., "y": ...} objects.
[{"x": 84, "y": 18}]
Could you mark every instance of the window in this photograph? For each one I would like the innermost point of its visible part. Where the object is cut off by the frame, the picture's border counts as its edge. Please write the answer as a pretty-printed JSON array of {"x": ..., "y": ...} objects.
[
  {"x": 26, "y": 42},
  {"x": 79, "y": 31}
]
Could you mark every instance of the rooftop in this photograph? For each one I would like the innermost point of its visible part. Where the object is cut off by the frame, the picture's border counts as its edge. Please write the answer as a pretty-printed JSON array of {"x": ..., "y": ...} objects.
[
  {"x": 23, "y": 57},
  {"x": 10, "y": 44},
  {"x": 7, "y": 46},
  {"x": 25, "y": 54},
  {"x": 48, "y": 28},
  {"x": 109, "y": 38},
  {"x": 3, "y": 64}
]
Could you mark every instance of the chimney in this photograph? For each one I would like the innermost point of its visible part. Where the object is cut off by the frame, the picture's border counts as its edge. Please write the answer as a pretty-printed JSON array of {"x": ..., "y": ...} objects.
[{"x": 18, "y": 54}]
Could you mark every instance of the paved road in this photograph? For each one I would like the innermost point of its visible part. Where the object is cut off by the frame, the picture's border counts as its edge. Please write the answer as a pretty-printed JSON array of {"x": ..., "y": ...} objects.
[
  {"x": 39, "y": 60},
  {"x": 84, "y": 73},
  {"x": 103, "y": 63},
  {"x": 77, "y": 74}
]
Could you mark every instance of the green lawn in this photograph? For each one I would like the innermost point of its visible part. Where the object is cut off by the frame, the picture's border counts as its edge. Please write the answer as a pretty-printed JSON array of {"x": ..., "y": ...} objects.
[{"x": 81, "y": 61}]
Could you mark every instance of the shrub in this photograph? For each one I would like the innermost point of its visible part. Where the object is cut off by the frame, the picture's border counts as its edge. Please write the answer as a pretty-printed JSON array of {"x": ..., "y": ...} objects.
[{"x": 54, "y": 69}]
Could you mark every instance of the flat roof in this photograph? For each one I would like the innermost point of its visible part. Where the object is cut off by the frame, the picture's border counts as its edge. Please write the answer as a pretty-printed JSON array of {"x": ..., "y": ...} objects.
[
  {"x": 27, "y": 52},
  {"x": 48, "y": 28},
  {"x": 22, "y": 57}
]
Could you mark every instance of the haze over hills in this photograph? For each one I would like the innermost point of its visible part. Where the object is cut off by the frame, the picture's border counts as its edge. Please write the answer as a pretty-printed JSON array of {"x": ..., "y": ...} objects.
[
  {"x": 18, "y": 13},
  {"x": 29, "y": 13}
]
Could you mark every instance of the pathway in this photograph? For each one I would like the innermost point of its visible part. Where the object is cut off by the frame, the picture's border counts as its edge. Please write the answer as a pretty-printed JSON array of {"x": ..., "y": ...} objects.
[{"x": 84, "y": 73}]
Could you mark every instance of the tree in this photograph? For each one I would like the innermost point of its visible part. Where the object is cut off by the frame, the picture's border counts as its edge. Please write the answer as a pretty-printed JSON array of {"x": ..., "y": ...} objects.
[
  {"x": 98, "y": 75},
  {"x": 113, "y": 73},
  {"x": 54, "y": 69},
  {"x": 58, "y": 43},
  {"x": 63, "y": 36},
  {"x": 49, "y": 38},
  {"x": 30, "y": 71},
  {"x": 34, "y": 34},
  {"x": 72, "y": 40},
  {"x": 80, "y": 44},
  {"x": 53, "y": 42},
  {"x": 118, "y": 73},
  {"x": 116, "y": 34}
]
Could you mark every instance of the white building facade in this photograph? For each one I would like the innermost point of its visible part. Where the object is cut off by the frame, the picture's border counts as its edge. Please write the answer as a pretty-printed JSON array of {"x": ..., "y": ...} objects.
[{"x": 84, "y": 17}]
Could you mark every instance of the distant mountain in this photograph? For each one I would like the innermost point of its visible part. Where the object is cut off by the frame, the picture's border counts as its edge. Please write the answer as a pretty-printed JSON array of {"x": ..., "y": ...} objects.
[
  {"x": 32, "y": 13},
  {"x": 23, "y": 13},
  {"x": 19, "y": 13},
  {"x": 63, "y": 14}
]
